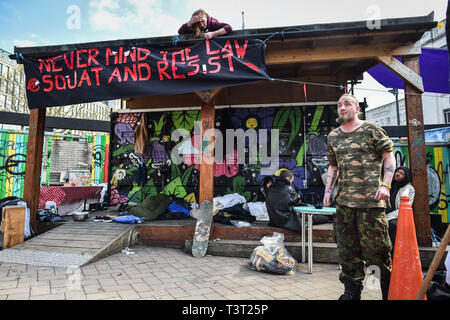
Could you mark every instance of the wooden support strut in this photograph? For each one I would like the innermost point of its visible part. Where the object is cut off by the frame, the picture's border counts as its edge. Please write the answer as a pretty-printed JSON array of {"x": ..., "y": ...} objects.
[
  {"x": 31, "y": 190},
  {"x": 206, "y": 191},
  {"x": 403, "y": 72},
  {"x": 417, "y": 155}
]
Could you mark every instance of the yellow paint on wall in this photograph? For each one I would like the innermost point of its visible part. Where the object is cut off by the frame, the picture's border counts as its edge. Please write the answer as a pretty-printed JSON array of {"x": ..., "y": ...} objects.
[
  {"x": 94, "y": 145},
  {"x": 9, "y": 186},
  {"x": 439, "y": 158}
]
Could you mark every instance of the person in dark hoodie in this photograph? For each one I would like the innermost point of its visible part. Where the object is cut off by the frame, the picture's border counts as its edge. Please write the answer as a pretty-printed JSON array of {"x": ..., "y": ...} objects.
[
  {"x": 281, "y": 198},
  {"x": 280, "y": 201},
  {"x": 267, "y": 182},
  {"x": 401, "y": 186}
]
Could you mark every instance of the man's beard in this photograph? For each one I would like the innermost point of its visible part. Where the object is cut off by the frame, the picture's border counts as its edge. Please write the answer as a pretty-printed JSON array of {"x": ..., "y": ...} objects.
[{"x": 345, "y": 118}]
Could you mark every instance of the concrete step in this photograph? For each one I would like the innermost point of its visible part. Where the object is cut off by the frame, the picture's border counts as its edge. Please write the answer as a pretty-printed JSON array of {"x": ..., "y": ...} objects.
[{"x": 322, "y": 252}]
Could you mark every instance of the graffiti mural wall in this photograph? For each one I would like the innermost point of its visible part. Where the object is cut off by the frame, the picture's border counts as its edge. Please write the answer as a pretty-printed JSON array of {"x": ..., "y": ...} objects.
[
  {"x": 438, "y": 156},
  {"x": 13, "y": 151},
  {"x": 302, "y": 149},
  {"x": 100, "y": 159}
]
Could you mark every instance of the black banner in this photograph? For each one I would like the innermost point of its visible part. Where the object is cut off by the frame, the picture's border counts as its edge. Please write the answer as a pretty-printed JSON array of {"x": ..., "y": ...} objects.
[{"x": 108, "y": 73}]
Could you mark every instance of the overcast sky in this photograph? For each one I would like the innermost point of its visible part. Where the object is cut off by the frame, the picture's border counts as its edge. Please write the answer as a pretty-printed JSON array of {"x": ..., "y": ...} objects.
[{"x": 50, "y": 22}]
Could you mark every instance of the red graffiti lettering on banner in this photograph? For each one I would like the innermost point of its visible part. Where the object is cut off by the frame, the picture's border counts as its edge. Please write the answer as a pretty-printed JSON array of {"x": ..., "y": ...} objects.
[
  {"x": 76, "y": 61},
  {"x": 213, "y": 63},
  {"x": 74, "y": 84},
  {"x": 97, "y": 76},
  {"x": 192, "y": 62},
  {"x": 146, "y": 51},
  {"x": 208, "y": 49},
  {"x": 60, "y": 79},
  {"x": 61, "y": 82},
  {"x": 54, "y": 67},
  {"x": 115, "y": 74},
  {"x": 163, "y": 65},
  {"x": 174, "y": 64},
  {"x": 132, "y": 72},
  {"x": 241, "y": 51},
  {"x": 33, "y": 85},
  {"x": 85, "y": 77},
  {"x": 71, "y": 64},
  {"x": 92, "y": 55},
  {"x": 109, "y": 54},
  {"x": 147, "y": 67},
  {"x": 227, "y": 48},
  {"x": 80, "y": 59}
]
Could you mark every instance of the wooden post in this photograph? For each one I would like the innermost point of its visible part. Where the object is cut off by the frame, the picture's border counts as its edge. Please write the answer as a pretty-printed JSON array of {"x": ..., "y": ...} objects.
[
  {"x": 13, "y": 225},
  {"x": 31, "y": 190},
  {"x": 417, "y": 155},
  {"x": 206, "y": 167}
]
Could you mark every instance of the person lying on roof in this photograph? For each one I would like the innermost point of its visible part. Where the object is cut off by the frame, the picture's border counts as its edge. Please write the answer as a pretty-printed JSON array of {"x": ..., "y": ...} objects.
[{"x": 203, "y": 25}]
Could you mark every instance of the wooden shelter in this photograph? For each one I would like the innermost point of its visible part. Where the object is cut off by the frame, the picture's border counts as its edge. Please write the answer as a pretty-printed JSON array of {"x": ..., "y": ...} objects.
[{"x": 327, "y": 54}]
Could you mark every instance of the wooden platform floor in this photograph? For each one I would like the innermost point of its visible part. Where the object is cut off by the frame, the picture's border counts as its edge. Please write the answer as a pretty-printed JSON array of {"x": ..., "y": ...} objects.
[
  {"x": 176, "y": 232},
  {"x": 72, "y": 244},
  {"x": 80, "y": 243}
]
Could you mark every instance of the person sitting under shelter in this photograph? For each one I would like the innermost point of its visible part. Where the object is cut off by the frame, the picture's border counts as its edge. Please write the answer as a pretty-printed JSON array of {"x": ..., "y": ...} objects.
[
  {"x": 203, "y": 25},
  {"x": 401, "y": 186},
  {"x": 267, "y": 182},
  {"x": 280, "y": 201}
]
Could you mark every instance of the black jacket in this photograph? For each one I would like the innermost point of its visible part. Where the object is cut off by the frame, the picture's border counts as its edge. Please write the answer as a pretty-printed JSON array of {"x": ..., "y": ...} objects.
[{"x": 280, "y": 200}]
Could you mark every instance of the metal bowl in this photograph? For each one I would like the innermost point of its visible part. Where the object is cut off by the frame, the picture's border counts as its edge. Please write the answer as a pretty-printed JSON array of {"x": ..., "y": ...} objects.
[{"x": 80, "y": 216}]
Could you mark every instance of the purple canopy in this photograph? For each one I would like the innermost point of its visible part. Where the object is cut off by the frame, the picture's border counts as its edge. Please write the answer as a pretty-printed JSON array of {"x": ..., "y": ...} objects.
[{"x": 434, "y": 69}]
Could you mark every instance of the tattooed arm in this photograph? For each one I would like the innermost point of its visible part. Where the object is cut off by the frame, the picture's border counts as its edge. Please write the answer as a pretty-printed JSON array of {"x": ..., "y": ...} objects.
[
  {"x": 389, "y": 168},
  {"x": 332, "y": 175}
]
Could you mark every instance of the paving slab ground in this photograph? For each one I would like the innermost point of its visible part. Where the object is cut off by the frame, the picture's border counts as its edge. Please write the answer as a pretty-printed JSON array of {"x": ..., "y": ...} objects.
[{"x": 156, "y": 273}]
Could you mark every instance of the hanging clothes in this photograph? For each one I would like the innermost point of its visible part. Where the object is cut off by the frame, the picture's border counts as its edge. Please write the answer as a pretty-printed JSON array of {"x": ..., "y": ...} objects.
[{"x": 141, "y": 136}]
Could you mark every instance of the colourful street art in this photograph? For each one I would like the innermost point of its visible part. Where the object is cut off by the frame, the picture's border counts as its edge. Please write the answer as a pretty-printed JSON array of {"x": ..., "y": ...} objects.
[
  {"x": 438, "y": 160},
  {"x": 13, "y": 151},
  {"x": 100, "y": 159},
  {"x": 302, "y": 148}
]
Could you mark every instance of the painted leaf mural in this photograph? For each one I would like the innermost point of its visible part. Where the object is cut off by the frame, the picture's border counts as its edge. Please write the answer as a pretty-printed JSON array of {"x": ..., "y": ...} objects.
[
  {"x": 185, "y": 119},
  {"x": 183, "y": 180}
]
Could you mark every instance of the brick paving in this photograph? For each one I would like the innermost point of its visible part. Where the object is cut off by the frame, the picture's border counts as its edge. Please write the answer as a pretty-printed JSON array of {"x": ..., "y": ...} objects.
[{"x": 156, "y": 273}]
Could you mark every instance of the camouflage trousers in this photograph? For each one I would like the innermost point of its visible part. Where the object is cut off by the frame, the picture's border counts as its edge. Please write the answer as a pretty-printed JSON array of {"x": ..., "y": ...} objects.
[{"x": 363, "y": 240}]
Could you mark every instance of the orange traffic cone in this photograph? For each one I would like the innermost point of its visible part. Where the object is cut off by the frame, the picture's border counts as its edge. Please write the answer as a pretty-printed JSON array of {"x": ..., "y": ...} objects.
[{"x": 406, "y": 276}]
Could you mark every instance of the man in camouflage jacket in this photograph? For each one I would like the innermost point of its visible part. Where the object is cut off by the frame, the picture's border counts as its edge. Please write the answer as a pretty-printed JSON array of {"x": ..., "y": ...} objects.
[{"x": 360, "y": 155}]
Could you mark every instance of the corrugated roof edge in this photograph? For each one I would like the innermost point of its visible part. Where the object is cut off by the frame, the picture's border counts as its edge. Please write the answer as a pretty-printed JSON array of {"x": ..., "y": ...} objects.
[{"x": 421, "y": 22}]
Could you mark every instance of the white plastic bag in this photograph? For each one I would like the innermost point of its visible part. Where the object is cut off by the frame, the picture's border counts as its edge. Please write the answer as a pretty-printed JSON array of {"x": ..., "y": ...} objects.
[
  {"x": 447, "y": 266},
  {"x": 27, "y": 230},
  {"x": 272, "y": 256}
]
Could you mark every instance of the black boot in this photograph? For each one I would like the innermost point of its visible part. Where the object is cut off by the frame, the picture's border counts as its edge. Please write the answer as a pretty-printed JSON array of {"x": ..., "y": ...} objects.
[
  {"x": 384, "y": 284},
  {"x": 384, "y": 289},
  {"x": 352, "y": 291}
]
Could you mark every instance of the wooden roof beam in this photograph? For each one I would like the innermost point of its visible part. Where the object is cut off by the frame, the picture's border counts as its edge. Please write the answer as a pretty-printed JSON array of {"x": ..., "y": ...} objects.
[
  {"x": 339, "y": 53},
  {"x": 402, "y": 71}
]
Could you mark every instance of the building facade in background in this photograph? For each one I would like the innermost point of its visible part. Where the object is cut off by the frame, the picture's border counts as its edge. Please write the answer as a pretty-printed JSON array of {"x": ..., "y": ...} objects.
[
  {"x": 63, "y": 150},
  {"x": 13, "y": 98},
  {"x": 436, "y": 106}
]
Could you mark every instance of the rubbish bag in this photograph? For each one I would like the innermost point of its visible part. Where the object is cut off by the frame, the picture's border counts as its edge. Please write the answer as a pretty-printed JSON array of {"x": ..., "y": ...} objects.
[
  {"x": 438, "y": 291},
  {"x": 273, "y": 257}
]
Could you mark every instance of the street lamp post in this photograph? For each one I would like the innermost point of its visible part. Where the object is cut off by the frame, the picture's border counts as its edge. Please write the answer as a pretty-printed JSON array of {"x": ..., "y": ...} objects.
[{"x": 395, "y": 93}]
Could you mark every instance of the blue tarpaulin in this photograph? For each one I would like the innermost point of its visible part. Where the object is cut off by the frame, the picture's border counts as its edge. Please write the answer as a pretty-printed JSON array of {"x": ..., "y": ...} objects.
[{"x": 434, "y": 69}]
